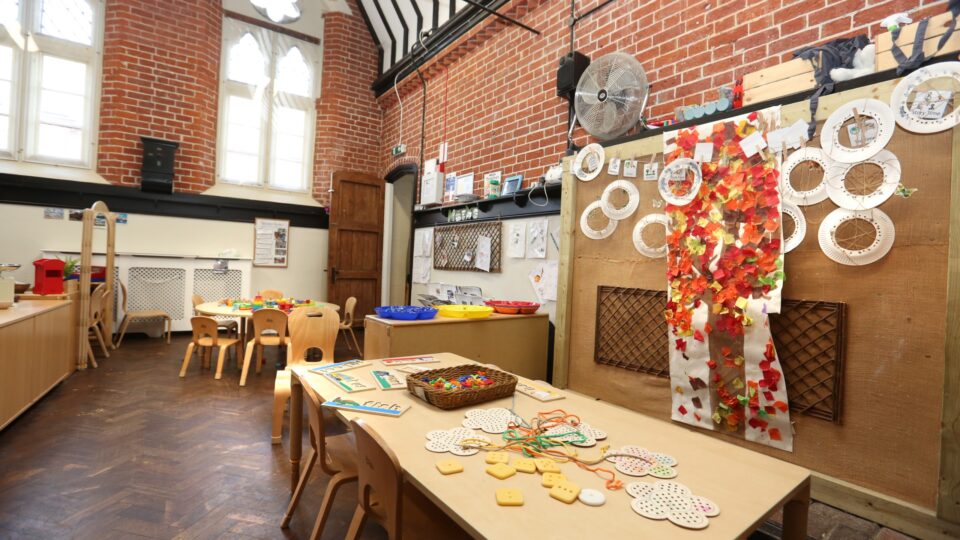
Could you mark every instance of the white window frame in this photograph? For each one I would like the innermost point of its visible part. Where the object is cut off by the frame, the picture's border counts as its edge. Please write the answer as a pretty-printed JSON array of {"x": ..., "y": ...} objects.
[
  {"x": 278, "y": 44},
  {"x": 29, "y": 45}
]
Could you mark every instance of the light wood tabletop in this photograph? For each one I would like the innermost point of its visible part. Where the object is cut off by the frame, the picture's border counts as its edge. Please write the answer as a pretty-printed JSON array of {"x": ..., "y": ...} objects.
[
  {"x": 215, "y": 309},
  {"x": 25, "y": 309},
  {"x": 746, "y": 485}
]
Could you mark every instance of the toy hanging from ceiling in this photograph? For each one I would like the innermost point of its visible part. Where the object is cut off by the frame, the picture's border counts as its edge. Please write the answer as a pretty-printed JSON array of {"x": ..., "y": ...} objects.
[{"x": 725, "y": 273}]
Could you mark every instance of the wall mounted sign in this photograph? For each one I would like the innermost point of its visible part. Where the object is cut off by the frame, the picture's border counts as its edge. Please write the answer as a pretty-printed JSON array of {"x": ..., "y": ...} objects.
[{"x": 271, "y": 242}]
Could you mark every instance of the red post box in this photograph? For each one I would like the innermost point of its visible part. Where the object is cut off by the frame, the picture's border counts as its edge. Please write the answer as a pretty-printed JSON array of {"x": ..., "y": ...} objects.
[{"x": 48, "y": 276}]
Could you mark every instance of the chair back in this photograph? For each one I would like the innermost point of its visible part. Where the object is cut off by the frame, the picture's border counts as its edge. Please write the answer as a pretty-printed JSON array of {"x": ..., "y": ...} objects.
[
  {"x": 317, "y": 432},
  {"x": 312, "y": 328},
  {"x": 269, "y": 320},
  {"x": 380, "y": 478},
  {"x": 271, "y": 294},
  {"x": 204, "y": 331},
  {"x": 348, "y": 308},
  {"x": 197, "y": 300},
  {"x": 97, "y": 298},
  {"x": 123, "y": 297}
]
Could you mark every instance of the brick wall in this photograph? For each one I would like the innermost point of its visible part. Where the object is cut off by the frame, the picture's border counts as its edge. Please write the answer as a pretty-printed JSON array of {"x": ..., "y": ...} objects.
[
  {"x": 160, "y": 79},
  {"x": 348, "y": 117},
  {"x": 502, "y": 111}
]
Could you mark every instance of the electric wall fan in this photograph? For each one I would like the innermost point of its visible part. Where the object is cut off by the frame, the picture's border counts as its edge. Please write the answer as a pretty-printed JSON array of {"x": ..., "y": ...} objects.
[{"x": 611, "y": 95}]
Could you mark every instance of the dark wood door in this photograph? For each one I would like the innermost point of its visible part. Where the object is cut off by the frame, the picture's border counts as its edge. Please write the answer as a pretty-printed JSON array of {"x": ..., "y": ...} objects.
[{"x": 356, "y": 242}]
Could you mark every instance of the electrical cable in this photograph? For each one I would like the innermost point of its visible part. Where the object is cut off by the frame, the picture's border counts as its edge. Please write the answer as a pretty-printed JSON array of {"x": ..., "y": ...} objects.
[
  {"x": 546, "y": 196},
  {"x": 400, "y": 102}
]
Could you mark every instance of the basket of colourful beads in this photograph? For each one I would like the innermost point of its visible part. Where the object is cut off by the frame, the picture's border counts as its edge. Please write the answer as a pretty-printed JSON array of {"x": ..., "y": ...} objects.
[{"x": 459, "y": 386}]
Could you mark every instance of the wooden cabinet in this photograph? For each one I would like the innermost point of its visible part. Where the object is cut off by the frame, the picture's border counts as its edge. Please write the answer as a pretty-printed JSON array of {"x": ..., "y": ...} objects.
[
  {"x": 37, "y": 344},
  {"x": 516, "y": 343}
]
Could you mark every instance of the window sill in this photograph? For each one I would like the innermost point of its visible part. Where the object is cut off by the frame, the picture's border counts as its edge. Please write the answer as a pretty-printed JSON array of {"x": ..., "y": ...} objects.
[
  {"x": 261, "y": 194},
  {"x": 57, "y": 172}
]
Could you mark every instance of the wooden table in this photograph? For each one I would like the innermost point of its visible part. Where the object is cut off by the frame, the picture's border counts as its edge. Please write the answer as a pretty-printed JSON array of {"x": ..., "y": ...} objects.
[
  {"x": 747, "y": 486},
  {"x": 516, "y": 343},
  {"x": 216, "y": 309}
]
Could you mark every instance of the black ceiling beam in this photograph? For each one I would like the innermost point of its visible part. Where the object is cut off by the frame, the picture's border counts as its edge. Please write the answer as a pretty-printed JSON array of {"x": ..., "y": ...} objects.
[
  {"x": 416, "y": 9},
  {"x": 403, "y": 24},
  {"x": 436, "y": 13}
]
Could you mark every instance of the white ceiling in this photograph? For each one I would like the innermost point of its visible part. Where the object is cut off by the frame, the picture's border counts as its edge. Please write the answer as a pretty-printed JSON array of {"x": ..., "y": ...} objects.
[{"x": 311, "y": 20}]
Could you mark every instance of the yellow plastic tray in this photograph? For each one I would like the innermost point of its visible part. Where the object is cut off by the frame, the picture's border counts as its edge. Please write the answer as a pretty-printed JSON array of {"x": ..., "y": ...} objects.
[{"x": 464, "y": 312}]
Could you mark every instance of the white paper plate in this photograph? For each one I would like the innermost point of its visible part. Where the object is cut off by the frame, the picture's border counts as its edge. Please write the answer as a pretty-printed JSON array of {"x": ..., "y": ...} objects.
[
  {"x": 809, "y": 196},
  {"x": 643, "y": 247},
  {"x": 837, "y": 188},
  {"x": 684, "y": 164},
  {"x": 871, "y": 108},
  {"x": 589, "y": 162},
  {"x": 906, "y": 117},
  {"x": 633, "y": 202},
  {"x": 593, "y": 233},
  {"x": 799, "y": 226},
  {"x": 881, "y": 244}
]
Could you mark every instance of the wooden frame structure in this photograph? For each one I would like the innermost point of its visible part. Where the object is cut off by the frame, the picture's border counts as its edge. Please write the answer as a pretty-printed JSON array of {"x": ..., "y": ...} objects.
[
  {"x": 84, "y": 351},
  {"x": 939, "y": 520}
]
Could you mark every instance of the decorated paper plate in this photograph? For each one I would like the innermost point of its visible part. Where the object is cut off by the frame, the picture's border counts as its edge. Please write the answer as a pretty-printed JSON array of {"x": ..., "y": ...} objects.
[
  {"x": 837, "y": 184},
  {"x": 921, "y": 108},
  {"x": 876, "y": 117},
  {"x": 625, "y": 211},
  {"x": 799, "y": 226},
  {"x": 675, "y": 186},
  {"x": 804, "y": 157},
  {"x": 589, "y": 162},
  {"x": 638, "y": 242},
  {"x": 883, "y": 236},
  {"x": 594, "y": 233}
]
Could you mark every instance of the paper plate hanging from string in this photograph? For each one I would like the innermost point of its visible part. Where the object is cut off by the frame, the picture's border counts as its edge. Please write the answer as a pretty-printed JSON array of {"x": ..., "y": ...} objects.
[
  {"x": 805, "y": 155},
  {"x": 589, "y": 162},
  {"x": 675, "y": 187},
  {"x": 799, "y": 226},
  {"x": 883, "y": 231},
  {"x": 927, "y": 112},
  {"x": 645, "y": 249},
  {"x": 624, "y": 212},
  {"x": 837, "y": 188},
  {"x": 868, "y": 136},
  {"x": 590, "y": 232}
]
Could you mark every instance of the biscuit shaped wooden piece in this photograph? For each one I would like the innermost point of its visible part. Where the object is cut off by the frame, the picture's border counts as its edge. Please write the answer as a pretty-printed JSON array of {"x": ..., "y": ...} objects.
[
  {"x": 501, "y": 471},
  {"x": 565, "y": 492},
  {"x": 449, "y": 466},
  {"x": 509, "y": 497},
  {"x": 545, "y": 465},
  {"x": 525, "y": 465},
  {"x": 497, "y": 457},
  {"x": 551, "y": 479}
]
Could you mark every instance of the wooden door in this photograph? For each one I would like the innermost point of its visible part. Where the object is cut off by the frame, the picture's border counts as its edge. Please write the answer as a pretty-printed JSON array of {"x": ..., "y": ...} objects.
[{"x": 354, "y": 264}]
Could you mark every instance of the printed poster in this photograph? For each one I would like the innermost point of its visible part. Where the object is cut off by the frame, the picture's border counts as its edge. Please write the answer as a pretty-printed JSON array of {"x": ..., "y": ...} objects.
[{"x": 271, "y": 242}]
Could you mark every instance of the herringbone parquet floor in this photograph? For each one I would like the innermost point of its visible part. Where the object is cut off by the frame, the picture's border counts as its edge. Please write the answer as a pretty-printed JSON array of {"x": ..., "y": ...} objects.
[{"x": 129, "y": 450}]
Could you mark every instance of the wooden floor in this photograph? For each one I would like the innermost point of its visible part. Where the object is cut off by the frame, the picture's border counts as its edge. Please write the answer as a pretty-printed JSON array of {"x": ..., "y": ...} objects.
[{"x": 129, "y": 450}]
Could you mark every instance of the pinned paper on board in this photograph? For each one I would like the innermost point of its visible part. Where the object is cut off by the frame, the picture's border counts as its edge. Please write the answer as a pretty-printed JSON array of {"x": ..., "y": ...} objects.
[
  {"x": 543, "y": 279},
  {"x": 422, "y": 268},
  {"x": 537, "y": 239},
  {"x": 516, "y": 240},
  {"x": 423, "y": 242},
  {"x": 483, "y": 253}
]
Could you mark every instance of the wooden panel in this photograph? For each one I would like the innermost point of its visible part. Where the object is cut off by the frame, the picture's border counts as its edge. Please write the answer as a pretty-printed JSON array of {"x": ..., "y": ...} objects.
[
  {"x": 16, "y": 342},
  {"x": 948, "y": 505},
  {"x": 780, "y": 80},
  {"x": 895, "y": 321},
  {"x": 936, "y": 27}
]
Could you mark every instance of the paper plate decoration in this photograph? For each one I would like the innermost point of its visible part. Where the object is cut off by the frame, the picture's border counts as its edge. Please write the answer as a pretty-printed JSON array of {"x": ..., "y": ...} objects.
[
  {"x": 841, "y": 196},
  {"x": 638, "y": 242},
  {"x": 495, "y": 420},
  {"x": 672, "y": 501},
  {"x": 624, "y": 212},
  {"x": 882, "y": 241},
  {"x": 799, "y": 226},
  {"x": 582, "y": 435},
  {"x": 803, "y": 157},
  {"x": 594, "y": 233},
  {"x": 450, "y": 441},
  {"x": 638, "y": 461},
  {"x": 675, "y": 187},
  {"x": 927, "y": 113},
  {"x": 878, "y": 123},
  {"x": 589, "y": 162}
]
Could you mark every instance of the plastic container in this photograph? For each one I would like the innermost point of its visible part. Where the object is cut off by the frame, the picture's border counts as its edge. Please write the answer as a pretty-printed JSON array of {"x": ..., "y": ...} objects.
[
  {"x": 465, "y": 312},
  {"x": 511, "y": 307}
]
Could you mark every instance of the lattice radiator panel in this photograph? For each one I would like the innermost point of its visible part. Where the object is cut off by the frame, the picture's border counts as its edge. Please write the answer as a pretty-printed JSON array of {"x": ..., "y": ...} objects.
[
  {"x": 157, "y": 288},
  {"x": 631, "y": 333},
  {"x": 213, "y": 286}
]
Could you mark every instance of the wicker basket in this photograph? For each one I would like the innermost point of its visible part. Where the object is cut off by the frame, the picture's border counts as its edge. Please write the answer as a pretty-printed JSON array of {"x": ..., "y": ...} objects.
[{"x": 503, "y": 385}]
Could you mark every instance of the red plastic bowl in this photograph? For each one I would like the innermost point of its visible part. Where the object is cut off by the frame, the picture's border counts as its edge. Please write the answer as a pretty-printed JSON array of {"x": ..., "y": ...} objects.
[{"x": 511, "y": 307}]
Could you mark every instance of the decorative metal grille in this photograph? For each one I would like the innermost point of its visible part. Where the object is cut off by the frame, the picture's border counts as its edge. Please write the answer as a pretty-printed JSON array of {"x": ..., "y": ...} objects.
[
  {"x": 455, "y": 246},
  {"x": 631, "y": 334},
  {"x": 157, "y": 288},
  {"x": 212, "y": 286}
]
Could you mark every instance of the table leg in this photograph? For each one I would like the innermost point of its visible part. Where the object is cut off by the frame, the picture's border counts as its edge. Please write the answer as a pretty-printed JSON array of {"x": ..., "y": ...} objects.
[
  {"x": 795, "y": 514},
  {"x": 243, "y": 335},
  {"x": 296, "y": 435}
]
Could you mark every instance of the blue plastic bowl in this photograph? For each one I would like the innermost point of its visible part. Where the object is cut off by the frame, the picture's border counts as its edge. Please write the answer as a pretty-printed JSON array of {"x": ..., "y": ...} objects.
[
  {"x": 401, "y": 313},
  {"x": 427, "y": 312}
]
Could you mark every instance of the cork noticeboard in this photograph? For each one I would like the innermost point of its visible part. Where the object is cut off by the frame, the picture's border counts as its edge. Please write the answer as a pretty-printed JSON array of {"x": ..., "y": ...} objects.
[{"x": 894, "y": 329}]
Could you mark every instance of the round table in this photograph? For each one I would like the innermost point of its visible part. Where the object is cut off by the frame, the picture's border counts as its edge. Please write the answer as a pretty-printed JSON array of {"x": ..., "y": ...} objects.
[{"x": 216, "y": 309}]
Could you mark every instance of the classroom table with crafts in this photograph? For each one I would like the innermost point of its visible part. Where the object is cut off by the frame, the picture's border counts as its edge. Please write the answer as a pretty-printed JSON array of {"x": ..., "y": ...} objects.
[
  {"x": 220, "y": 309},
  {"x": 745, "y": 486}
]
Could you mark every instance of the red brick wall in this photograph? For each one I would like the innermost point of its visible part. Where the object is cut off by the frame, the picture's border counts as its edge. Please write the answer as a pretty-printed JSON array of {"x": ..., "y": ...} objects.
[
  {"x": 503, "y": 113},
  {"x": 348, "y": 117},
  {"x": 160, "y": 79}
]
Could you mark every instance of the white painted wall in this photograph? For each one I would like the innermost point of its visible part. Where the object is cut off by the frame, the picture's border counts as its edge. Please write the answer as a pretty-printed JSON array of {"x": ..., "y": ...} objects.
[
  {"x": 24, "y": 233},
  {"x": 511, "y": 283}
]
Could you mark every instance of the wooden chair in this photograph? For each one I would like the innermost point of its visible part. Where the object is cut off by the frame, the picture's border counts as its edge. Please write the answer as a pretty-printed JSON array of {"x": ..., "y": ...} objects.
[
  {"x": 270, "y": 294},
  {"x": 337, "y": 455},
  {"x": 381, "y": 483},
  {"x": 95, "y": 330},
  {"x": 229, "y": 325},
  {"x": 347, "y": 322},
  {"x": 205, "y": 338},
  {"x": 145, "y": 314},
  {"x": 310, "y": 328},
  {"x": 269, "y": 330}
]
